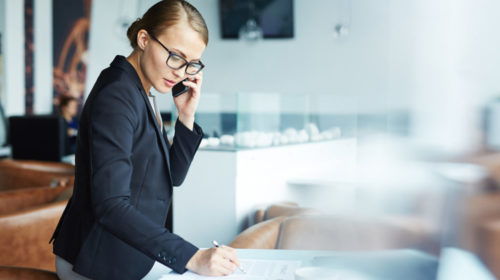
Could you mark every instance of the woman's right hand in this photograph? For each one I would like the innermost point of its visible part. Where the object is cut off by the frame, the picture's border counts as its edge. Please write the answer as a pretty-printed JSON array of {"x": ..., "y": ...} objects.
[{"x": 214, "y": 261}]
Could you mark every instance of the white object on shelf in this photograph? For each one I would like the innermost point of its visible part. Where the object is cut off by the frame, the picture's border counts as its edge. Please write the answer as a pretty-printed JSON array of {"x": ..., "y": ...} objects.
[
  {"x": 331, "y": 133},
  {"x": 227, "y": 140},
  {"x": 264, "y": 139},
  {"x": 261, "y": 139},
  {"x": 303, "y": 136},
  {"x": 291, "y": 135},
  {"x": 312, "y": 130},
  {"x": 213, "y": 141}
]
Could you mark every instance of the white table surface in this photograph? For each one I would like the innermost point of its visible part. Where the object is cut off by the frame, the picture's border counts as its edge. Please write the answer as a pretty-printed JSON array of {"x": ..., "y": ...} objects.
[{"x": 387, "y": 265}]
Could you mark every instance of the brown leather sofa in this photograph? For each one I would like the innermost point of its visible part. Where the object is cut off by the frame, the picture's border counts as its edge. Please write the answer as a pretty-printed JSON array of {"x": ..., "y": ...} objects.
[
  {"x": 288, "y": 226},
  {"x": 25, "y": 184},
  {"x": 281, "y": 208},
  {"x": 33, "y": 195},
  {"x": 263, "y": 234},
  {"x": 479, "y": 228},
  {"x": 16, "y": 200},
  {"x": 287, "y": 209},
  {"x": 489, "y": 248},
  {"x": 480, "y": 223},
  {"x": 24, "y": 273},
  {"x": 261, "y": 213},
  {"x": 343, "y": 233},
  {"x": 25, "y": 235},
  {"x": 19, "y": 174}
]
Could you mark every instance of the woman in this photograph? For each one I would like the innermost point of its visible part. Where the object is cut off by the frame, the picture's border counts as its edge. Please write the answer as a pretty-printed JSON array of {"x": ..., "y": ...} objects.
[
  {"x": 113, "y": 226},
  {"x": 69, "y": 109}
]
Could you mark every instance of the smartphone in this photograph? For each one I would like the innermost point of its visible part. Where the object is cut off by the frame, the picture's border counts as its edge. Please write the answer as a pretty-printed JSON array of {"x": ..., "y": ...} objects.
[{"x": 179, "y": 88}]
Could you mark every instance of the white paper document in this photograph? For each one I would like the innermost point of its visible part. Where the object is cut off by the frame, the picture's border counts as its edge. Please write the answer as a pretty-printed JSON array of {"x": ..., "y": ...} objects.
[{"x": 255, "y": 270}]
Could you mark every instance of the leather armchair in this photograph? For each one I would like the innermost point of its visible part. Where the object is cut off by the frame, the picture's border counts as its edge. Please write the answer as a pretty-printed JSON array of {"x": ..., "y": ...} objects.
[
  {"x": 287, "y": 209},
  {"x": 24, "y": 273},
  {"x": 33, "y": 195},
  {"x": 345, "y": 233},
  {"x": 19, "y": 174},
  {"x": 480, "y": 225},
  {"x": 259, "y": 236},
  {"x": 21, "y": 199},
  {"x": 480, "y": 228},
  {"x": 282, "y": 208},
  {"x": 490, "y": 245},
  {"x": 264, "y": 233},
  {"x": 288, "y": 226},
  {"x": 262, "y": 211},
  {"x": 25, "y": 235}
]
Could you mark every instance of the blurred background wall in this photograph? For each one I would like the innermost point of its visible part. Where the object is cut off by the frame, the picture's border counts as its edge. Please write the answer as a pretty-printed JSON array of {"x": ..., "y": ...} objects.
[{"x": 434, "y": 60}]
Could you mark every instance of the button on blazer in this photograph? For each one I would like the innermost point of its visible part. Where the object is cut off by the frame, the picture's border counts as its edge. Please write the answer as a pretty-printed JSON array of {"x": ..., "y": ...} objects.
[{"x": 113, "y": 226}]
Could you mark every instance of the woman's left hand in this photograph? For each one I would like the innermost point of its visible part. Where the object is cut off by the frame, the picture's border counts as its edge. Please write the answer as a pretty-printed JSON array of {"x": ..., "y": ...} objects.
[{"x": 187, "y": 103}]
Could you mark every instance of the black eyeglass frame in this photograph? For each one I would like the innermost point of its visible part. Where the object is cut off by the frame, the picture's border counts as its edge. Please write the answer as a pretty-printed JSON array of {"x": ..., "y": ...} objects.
[{"x": 186, "y": 63}]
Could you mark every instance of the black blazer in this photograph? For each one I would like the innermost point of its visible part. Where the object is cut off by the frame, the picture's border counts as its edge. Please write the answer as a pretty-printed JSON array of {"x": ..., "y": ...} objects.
[{"x": 113, "y": 226}]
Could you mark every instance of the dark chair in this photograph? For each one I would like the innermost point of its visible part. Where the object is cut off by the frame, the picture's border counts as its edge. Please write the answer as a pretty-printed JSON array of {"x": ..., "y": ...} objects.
[{"x": 40, "y": 137}]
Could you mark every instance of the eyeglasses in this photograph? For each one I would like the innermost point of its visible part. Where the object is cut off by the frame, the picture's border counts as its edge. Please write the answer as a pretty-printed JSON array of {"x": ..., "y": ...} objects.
[{"x": 176, "y": 61}]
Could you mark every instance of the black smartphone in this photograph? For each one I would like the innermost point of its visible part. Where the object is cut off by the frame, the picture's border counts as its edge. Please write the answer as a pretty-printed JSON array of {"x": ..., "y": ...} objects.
[{"x": 179, "y": 88}]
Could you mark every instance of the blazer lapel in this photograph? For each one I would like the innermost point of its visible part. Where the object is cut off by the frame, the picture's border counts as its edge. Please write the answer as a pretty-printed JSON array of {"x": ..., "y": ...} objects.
[{"x": 159, "y": 134}]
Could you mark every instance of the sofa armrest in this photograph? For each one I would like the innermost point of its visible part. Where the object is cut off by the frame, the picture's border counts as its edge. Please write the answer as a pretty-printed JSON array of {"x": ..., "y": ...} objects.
[
  {"x": 22, "y": 199},
  {"x": 18, "y": 174},
  {"x": 24, "y": 238},
  {"x": 259, "y": 236},
  {"x": 490, "y": 245}
]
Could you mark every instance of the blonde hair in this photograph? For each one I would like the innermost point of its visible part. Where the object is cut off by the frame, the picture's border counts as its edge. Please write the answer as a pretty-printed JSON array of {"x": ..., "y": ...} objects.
[{"x": 165, "y": 14}]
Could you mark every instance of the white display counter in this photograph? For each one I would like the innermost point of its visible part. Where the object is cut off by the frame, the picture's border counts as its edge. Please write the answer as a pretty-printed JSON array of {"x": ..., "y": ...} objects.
[{"x": 224, "y": 187}]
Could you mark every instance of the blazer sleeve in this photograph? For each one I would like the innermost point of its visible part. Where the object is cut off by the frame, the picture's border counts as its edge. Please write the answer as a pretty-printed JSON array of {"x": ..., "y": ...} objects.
[
  {"x": 113, "y": 121},
  {"x": 183, "y": 149}
]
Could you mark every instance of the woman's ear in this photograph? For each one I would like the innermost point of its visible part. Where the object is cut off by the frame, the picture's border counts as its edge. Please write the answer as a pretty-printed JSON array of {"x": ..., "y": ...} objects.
[{"x": 142, "y": 39}]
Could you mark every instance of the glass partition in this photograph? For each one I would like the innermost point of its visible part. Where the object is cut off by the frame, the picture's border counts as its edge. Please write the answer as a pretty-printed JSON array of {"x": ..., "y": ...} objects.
[{"x": 248, "y": 120}]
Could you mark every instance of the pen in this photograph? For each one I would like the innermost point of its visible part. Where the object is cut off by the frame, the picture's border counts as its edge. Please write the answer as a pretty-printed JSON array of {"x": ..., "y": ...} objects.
[{"x": 216, "y": 244}]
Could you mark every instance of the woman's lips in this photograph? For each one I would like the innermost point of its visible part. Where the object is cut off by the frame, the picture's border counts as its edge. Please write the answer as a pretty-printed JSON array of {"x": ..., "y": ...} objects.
[{"x": 169, "y": 83}]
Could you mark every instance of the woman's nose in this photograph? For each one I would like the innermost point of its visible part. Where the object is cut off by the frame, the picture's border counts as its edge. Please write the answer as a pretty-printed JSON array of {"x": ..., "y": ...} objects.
[{"x": 179, "y": 72}]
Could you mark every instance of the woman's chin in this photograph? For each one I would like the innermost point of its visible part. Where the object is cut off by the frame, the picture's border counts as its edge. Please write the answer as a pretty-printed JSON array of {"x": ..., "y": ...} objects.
[{"x": 163, "y": 89}]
